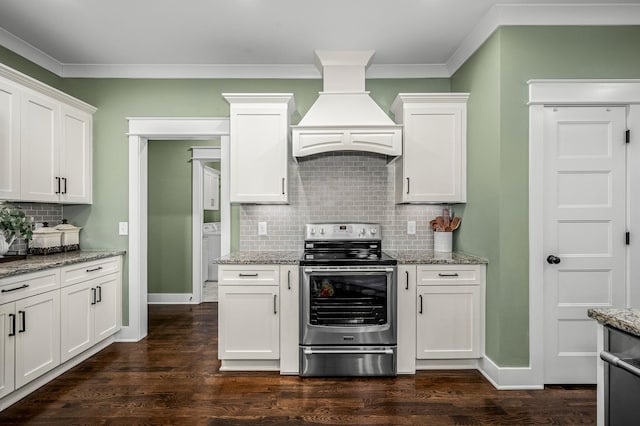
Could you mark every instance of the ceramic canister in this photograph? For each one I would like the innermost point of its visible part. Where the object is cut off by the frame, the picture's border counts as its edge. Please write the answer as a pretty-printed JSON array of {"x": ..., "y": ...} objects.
[
  {"x": 70, "y": 236},
  {"x": 46, "y": 240}
]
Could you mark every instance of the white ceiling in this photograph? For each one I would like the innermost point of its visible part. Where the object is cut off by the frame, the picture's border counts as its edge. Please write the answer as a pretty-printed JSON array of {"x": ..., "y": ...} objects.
[{"x": 273, "y": 38}]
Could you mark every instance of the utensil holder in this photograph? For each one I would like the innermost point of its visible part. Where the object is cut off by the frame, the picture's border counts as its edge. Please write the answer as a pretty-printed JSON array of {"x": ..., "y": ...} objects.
[{"x": 442, "y": 242}]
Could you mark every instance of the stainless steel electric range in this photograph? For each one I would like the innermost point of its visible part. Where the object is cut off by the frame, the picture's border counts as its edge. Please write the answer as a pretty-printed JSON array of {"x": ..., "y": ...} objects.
[{"x": 347, "y": 302}]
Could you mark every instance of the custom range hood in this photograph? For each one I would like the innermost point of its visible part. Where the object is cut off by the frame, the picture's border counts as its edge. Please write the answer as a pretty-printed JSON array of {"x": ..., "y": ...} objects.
[{"x": 344, "y": 117}]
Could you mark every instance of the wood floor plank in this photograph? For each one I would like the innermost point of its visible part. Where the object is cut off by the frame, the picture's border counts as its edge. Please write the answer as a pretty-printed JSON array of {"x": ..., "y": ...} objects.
[{"x": 172, "y": 377}]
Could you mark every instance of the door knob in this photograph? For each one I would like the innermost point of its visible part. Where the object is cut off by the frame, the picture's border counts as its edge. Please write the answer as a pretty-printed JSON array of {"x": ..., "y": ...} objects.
[{"x": 551, "y": 259}]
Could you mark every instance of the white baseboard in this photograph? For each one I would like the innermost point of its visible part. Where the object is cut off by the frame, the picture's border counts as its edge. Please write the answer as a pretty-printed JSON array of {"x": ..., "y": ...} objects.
[
  {"x": 505, "y": 378},
  {"x": 170, "y": 298}
]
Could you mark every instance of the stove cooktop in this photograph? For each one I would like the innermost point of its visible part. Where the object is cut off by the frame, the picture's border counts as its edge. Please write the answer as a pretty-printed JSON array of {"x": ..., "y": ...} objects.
[{"x": 346, "y": 258}]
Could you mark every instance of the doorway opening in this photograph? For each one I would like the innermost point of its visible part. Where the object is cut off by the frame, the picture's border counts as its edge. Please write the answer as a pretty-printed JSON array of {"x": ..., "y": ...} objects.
[{"x": 141, "y": 131}]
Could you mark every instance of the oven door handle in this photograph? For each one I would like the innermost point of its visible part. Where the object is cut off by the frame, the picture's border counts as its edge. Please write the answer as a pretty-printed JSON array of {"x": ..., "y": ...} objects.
[
  {"x": 351, "y": 271},
  {"x": 618, "y": 362},
  {"x": 309, "y": 351}
]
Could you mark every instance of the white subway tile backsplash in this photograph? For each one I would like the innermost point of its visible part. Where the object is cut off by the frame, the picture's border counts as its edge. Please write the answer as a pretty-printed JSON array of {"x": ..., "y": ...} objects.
[{"x": 345, "y": 186}]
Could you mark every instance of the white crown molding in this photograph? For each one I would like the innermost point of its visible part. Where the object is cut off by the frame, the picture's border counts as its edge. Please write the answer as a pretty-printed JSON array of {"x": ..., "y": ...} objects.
[
  {"x": 193, "y": 71},
  {"x": 29, "y": 52},
  {"x": 497, "y": 16},
  {"x": 541, "y": 14}
]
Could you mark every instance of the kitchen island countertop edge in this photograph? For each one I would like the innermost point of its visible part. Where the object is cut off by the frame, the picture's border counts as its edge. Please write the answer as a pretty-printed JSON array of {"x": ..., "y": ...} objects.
[{"x": 627, "y": 320}]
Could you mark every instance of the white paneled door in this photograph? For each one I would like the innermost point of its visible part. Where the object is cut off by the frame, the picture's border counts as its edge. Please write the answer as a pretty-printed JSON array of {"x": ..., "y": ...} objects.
[{"x": 584, "y": 233}]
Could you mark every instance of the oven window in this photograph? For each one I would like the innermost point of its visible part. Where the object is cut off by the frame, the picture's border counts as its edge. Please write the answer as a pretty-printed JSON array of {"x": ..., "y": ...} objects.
[{"x": 348, "y": 300}]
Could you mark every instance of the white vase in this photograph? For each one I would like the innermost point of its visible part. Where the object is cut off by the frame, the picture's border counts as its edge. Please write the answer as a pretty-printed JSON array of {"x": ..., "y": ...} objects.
[{"x": 4, "y": 244}]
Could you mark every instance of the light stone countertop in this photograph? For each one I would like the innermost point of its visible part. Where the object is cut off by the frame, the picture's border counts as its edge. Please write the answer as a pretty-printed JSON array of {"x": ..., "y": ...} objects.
[
  {"x": 429, "y": 257},
  {"x": 293, "y": 258},
  {"x": 260, "y": 258},
  {"x": 622, "y": 319},
  {"x": 34, "y": 263}
]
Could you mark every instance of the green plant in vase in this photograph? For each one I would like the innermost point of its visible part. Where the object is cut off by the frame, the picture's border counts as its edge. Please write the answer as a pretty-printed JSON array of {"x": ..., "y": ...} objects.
[{"x": 13, "y": 224}]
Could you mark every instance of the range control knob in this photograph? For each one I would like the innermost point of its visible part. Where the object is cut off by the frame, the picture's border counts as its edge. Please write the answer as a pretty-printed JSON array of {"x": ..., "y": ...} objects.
[
  {"x": 363, "y": 231},
  {"x": 321, "y": 231},
  {"x": 312, "y": 231},
  {"x": 373, "y": 231}
]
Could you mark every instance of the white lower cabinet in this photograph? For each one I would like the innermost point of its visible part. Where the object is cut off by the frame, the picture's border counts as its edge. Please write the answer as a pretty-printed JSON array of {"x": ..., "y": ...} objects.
[
  {"x": 406, "y": 319},
  {"x": 37, "y": 337},
  {"x": 258, "y": 317},
  {"x": 90, "y": 313},
  {"x": 42, "y": 325},
  {"x": 248, "y": 312},
  {"x": 30, "y": 342},
  {"x": 289, "y": 319},
  {"x": 450, "y": 311}
]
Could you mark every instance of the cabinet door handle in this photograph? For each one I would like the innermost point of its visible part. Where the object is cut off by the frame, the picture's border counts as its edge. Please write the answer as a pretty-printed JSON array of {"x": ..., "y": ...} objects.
[
  {"x": 94, "y": 269},
  {"x": 407, "y": 286},
  {"x": 420, "y": 304},
  {"x": 64, "y": 191},
  {"x": 408, "y": 183},
  {"x": 93, "y": 296},
  {"x": 247, "y": 275},
  {"x": 7, "y": 290},
  {"x": 99, "y": 294},
  {"x": 289, "y": 280},
  {"x": 448, "y": 275},
  {"x": 275, "y": 303},
  {"x": 282, "y": 186},
  {"x": 23, "y": 321},
  {"x": 58, "y": 184},
  {"x": 12, "y": 318}
]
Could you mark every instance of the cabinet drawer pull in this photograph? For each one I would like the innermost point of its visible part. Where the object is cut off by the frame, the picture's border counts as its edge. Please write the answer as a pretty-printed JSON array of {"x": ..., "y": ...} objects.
[
  {"x": 64, "y": 191},
  {"x": 420, "y": 303},
  {"x": 58, "y": 184},
  {"x": 448, "y": 275},
  {"x": 289, "y": 280},
  {"x": 12, "y": 318},
  {"x": 93, "y": 296},
  {"x": 407, "y": 286},
  {"x": 275, "y": 303},
  {"x": 99, "y": 294},
  {"x": 94, "y": 269},
  {"x": 7, "y": 290},
  {"x": 408, "y": 183},
  {"x": 247, "y": 275},
  {"x": 23, "y": 321},
  {"x": 282, "y": 186}
]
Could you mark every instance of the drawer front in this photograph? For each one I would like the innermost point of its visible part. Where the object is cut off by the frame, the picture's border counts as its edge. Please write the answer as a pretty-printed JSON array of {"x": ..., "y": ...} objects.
[
  {"x": 80, "y": 272},
  {"x": 248, "y": 274},
  {"x": 449, "y": 274},
  {"x": 21, "y": 286}
]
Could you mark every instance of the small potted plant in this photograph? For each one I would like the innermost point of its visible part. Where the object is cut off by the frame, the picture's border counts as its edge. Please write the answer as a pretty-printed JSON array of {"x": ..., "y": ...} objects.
[{"x": 13, "y": 224}]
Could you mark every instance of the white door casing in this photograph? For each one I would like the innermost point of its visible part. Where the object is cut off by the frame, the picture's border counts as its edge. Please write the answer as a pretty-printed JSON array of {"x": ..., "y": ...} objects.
[
  {"x": 544, "y": 93},
  {"x": 141, "y": 130},
  {"x": 584, "y": 227}
]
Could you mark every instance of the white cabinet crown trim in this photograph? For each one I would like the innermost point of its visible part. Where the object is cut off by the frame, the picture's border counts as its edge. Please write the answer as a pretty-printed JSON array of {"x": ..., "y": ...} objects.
[{"x": 32, "y": 83}]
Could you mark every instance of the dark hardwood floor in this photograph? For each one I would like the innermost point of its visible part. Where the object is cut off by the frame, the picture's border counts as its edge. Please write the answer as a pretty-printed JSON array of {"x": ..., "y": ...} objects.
[{"x": 172, "y": 377}]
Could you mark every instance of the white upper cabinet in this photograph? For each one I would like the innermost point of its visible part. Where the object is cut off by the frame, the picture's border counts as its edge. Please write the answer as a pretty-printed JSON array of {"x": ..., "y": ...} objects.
[
  {"x": 45, "y": 142},
  {"x": 76, "y": 156},
  {"x": 40, "y": 144},
  {"x": 433, "y": 165},
  {"x": 9, "y": 141},
  {"x": 259, "y": 150},
  {"x": 211, "y": 192}
]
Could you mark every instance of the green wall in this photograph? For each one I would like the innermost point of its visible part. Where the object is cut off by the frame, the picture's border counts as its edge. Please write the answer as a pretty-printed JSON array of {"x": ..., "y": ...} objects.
[{"x": 498, "y": 127}]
